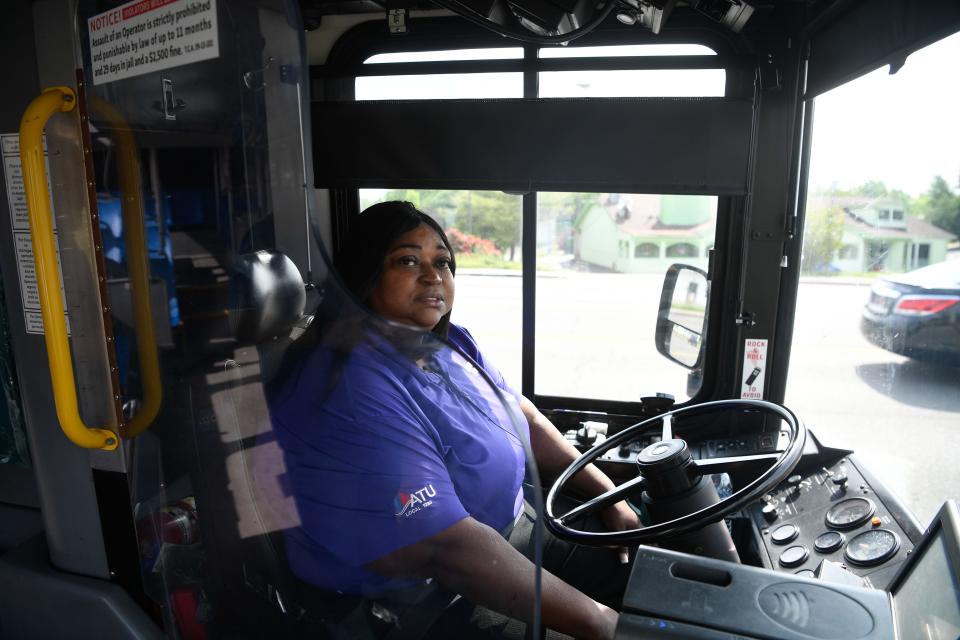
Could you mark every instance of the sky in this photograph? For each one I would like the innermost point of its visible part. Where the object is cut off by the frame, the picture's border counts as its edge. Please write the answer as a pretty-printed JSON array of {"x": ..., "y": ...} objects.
[{"x": 901, "y": 129}]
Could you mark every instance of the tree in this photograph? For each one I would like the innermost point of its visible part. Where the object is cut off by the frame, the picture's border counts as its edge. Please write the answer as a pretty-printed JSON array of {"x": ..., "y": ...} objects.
[
  {"x": 940, "y": 206},
  {"x": 870, "y": 189},
  {"x": 822, "y": 238},
  {"x": 569, "y": 210},
  {"x": 568, "y": 206},
  {"x": 874, "y": 189},
  {"x": 493, "y": 215}
]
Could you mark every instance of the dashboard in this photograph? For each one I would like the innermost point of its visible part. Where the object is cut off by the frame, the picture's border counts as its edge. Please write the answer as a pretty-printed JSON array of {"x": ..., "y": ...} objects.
[
  {"x": 675, "y": 595},
  {"x": 831, "y": 519},
  {"x": 827, "y": 553}
]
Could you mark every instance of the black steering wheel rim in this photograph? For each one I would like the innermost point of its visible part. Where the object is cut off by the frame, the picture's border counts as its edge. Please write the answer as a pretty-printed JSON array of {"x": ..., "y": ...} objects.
[{"x": 784, "y": 464}]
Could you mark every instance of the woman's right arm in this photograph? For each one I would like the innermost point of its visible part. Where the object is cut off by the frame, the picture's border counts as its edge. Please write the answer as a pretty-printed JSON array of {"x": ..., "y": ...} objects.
[{"x": 475, "y": 561}]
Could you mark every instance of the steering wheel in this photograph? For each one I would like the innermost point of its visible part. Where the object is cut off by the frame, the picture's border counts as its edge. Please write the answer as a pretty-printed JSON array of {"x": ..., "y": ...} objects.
[{"x": 667, "y": 471}]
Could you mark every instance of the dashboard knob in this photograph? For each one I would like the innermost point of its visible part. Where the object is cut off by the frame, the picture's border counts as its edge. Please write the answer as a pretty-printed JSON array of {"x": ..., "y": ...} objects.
[
  {"x": 839, "y": 479},
  {"x": 586, "y": 435},
  {"x": 769, "y": 512}
]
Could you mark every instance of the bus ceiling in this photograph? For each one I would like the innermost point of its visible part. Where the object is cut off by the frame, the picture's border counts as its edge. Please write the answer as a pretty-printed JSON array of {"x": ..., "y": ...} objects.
[{"x": 845, "y": 38}]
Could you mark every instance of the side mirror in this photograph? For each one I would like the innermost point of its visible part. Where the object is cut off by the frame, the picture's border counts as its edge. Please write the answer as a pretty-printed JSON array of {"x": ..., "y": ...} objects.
[{"x": 681, "y": 320}]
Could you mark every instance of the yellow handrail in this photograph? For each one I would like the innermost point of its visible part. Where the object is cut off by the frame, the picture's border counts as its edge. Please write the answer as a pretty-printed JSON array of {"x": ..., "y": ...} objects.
[
  {"x": 48, "y": 276},
  {"x": 128, "y": 169}
]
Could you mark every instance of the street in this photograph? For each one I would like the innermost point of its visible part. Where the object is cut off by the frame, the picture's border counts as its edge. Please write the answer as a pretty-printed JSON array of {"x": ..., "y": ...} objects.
[{"x": 595, "y": 336}]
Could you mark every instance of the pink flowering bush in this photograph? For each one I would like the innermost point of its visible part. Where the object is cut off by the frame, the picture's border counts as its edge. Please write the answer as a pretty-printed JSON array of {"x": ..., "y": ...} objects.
[{"x": 467, "y": 243}]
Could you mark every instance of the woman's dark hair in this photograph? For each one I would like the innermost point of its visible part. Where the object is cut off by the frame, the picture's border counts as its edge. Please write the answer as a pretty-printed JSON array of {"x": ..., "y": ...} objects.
[
  {"x": 359, "y": 264},
  {"x": 359, "y": 261}
]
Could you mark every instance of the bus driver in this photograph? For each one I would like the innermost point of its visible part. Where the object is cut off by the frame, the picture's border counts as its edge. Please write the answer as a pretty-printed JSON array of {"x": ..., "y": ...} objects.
[{"x": 398, "y": 462}]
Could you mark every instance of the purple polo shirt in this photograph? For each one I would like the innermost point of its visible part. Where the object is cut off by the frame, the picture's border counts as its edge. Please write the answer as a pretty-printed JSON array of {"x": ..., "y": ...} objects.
[{"x": 393, "y": 454}]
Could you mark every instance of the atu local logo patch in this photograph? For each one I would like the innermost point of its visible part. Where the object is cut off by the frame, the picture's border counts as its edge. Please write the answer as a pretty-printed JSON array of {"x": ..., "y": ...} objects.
[{"x": 407, "y": 504}]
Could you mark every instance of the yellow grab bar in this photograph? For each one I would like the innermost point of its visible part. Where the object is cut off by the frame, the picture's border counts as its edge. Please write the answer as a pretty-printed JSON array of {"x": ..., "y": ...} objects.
[
  {"x": 48, "y": 277},
  {"x": 128, "y": 169}
]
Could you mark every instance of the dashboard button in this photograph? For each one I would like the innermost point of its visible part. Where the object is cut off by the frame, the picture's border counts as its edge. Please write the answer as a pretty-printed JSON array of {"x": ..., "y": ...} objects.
[
  {"x": 794, "y": 556},
  {"x": 806, "y": 573},
  {"x": 828, "y": 541},
  {"x": 784, "y": 533}
]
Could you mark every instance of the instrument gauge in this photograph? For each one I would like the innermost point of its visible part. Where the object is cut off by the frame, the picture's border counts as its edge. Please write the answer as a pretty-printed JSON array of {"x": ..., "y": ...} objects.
[
  {"x": 850, "y": 513},
  {"x": 828, "y": 541},
  {"x": 872, "y": 547}
]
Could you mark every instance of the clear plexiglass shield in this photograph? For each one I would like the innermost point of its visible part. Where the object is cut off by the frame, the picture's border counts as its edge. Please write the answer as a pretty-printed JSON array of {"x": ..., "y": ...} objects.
[{"x": 301, "y": 449}]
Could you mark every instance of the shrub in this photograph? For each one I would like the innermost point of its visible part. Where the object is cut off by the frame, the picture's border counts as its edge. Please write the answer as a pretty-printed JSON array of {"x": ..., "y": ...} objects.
[{"x": 467, "y": 243}]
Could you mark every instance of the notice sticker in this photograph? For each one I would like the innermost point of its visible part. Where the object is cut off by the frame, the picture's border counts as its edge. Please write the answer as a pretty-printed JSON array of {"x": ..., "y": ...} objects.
[
  {"x": 22, "y": 241},
  {"x": 144, "y": 36},
  {"x": 754, "y": 368}
]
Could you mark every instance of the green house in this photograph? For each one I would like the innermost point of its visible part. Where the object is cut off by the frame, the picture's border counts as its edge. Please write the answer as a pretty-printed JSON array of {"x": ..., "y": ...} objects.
[
  {"x": 879, "y": 234},
  {"x": 646, "y": 233}
]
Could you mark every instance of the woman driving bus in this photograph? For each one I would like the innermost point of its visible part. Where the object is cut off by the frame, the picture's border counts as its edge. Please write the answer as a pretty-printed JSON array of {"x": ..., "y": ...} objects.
[{"x": 397, "y": 459}]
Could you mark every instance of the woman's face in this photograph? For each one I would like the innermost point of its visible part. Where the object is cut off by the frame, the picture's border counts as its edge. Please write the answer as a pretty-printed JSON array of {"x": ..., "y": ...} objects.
[{"x": 417, "y": 284}]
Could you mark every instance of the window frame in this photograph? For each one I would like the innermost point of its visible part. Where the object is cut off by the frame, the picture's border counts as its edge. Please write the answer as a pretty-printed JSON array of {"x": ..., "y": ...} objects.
[{"x": 334, "y": 80}]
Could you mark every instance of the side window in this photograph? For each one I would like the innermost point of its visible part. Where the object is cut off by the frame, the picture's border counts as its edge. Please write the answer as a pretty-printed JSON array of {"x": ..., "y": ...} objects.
[
  {"x": 872, "y": 361},
  {"x": 646, "y": 250},
  {"x": 444, "y": 86},
  {"x": 631, "y": 83},
  {"x": 683, "y": 250},
  {"x": 484, "y": 227}
]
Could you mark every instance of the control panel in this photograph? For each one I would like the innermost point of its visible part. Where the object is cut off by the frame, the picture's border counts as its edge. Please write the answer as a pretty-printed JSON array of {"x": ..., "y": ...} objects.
[
  {"x": 833, "y": 515},
  {"x": 702, "y": 449}
]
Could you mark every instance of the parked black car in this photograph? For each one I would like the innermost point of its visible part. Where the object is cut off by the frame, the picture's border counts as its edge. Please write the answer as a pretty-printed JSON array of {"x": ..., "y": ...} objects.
[{"x": 917, "y": 314}]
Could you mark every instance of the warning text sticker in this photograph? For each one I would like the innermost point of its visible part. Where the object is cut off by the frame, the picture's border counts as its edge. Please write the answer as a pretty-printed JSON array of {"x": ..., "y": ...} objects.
[
  {"x": 144, "y": 36},
  {"x": 754, "y": 368},
  {"x": 22, "y": 240}
]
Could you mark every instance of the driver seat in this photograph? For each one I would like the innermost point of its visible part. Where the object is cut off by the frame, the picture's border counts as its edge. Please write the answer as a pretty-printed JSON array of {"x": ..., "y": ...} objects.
[{"x": 267, "y": 315}]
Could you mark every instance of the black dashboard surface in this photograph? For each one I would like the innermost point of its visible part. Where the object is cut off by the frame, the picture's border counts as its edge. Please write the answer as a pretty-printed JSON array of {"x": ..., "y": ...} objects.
[
  {"x": 830, "y": 520},
  {"x": 676, "y": 595}
]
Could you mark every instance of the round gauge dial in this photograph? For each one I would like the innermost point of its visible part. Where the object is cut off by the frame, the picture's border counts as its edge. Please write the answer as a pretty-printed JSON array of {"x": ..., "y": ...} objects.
[
  {"x": 828, "y": 541},
  {"x": 872, "y": 547},
  {"x": 850, "y": 513}
]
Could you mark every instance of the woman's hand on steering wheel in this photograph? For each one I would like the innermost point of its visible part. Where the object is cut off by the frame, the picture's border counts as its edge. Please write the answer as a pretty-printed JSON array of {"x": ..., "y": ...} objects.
[{"x": 620, "y": 517}]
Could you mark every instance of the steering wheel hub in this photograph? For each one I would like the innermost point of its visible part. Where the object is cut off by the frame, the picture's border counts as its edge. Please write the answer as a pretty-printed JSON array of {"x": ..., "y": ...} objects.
[
  {"x": 663, "y": 455},
  {"x": 666, "y": 467}
]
